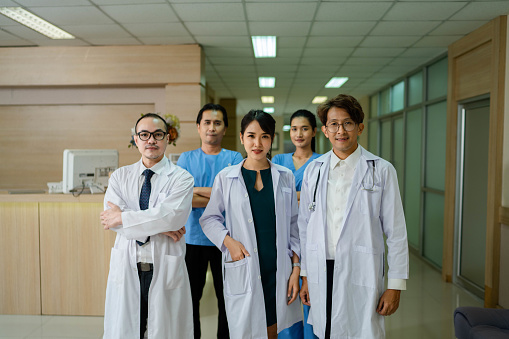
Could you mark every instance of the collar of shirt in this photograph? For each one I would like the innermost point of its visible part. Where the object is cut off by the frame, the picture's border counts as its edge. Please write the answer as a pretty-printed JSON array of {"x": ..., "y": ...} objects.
[
  {"x": 157, "y": 168},
  {"x": 351, "y": 161}
]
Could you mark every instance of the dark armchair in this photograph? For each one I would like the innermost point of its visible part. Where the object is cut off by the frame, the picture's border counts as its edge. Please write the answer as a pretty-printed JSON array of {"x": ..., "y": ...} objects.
[{"x": 481, "y": 323}]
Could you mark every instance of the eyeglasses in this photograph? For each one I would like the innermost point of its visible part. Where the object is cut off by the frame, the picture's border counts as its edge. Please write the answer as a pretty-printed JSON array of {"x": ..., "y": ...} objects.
[
  {"x": 333, "y": 127},
  {"x": 158, "y": 135}
]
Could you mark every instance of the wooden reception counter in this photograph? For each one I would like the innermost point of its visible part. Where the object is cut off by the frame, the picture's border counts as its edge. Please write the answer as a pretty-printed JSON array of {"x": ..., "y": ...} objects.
[{"x": 54, "y": 257}]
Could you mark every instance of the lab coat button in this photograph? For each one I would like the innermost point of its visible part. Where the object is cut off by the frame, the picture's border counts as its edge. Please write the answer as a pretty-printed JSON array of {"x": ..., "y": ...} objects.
[
  {"x": 259, "y": 277},
  {"x": 245, "y": 195},
  {"x": 249, "y": 220},
  {"x": 255, "y": 250}
]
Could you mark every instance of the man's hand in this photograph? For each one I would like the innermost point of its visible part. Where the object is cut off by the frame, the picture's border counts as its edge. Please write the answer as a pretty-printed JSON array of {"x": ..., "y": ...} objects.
[
  {"x": 176, "y": 235},
  {"x": 112, "y": 217},
  {"x": 304, "y": 292},
  {"x": 389, "y": 302},
  {"x": 236, "y": 249}
]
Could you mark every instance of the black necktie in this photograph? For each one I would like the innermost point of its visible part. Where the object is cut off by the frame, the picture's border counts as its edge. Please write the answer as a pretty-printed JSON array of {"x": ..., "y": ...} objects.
[{"x": 145, "y": 196}]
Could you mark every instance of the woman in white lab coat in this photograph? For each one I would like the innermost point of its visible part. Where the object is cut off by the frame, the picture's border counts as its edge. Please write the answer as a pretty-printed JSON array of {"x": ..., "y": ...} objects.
[
  {"x": 260, "y": 244},
  {"x": 373, "y": 209}
]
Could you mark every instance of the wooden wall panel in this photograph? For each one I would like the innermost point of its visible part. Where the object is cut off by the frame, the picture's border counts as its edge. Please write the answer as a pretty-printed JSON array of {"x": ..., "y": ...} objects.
[
  {"x": 100, "y": 65},
  {"x": 477, "y": 66},
  {"x": 75, "y": 253},
  {"x": 19, "y": 259}
]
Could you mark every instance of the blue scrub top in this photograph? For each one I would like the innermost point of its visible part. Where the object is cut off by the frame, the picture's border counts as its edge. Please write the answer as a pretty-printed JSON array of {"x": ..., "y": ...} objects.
[
  {"x": 204, "y": 168},
  {"x": 287, "y": 161}
]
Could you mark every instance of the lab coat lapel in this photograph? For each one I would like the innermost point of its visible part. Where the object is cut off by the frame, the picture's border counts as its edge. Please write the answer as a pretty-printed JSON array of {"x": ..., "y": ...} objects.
[
  {"x": 275, "y": 182},
  {"x": 160, "y": 184}
]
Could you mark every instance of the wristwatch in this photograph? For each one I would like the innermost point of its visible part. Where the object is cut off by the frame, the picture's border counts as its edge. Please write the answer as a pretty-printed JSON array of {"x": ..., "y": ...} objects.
[{"x": 296, "y": 264}]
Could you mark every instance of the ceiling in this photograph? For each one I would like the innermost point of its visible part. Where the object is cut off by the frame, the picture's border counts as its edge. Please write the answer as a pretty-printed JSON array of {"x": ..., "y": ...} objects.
[{"x": 371, "y": 42}]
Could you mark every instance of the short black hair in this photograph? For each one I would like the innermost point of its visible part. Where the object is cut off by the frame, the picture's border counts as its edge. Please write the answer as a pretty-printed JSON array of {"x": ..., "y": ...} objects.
[
  {"x": 151, "y": 115},
  {"x": 212, "y": 107}
]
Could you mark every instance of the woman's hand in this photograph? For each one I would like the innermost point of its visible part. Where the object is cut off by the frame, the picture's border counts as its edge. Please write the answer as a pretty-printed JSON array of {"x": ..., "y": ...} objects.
[
  {"x": 304, "y": 292},
  {"x": 236, "y": 249},
  {"x": 293, "y": 285}
]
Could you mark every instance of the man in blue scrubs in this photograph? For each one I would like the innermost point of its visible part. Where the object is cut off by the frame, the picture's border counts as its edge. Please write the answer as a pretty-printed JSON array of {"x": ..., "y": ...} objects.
[{"x": 203, "y": 164}]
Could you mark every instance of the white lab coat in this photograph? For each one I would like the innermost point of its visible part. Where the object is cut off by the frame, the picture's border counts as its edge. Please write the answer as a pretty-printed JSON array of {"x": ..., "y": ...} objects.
[
  {"x": 242, "y": 285},
  {"x": 170, "y": 312},
  {"x": 359, "y": 258}
]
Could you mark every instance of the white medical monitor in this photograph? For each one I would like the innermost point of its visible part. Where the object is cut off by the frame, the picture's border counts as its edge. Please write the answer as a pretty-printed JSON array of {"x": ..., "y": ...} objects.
[{"x": 88, "y": 168}]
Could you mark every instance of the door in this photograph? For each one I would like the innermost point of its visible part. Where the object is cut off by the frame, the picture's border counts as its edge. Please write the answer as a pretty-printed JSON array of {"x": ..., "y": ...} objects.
[{"x": 472, "y": 188}]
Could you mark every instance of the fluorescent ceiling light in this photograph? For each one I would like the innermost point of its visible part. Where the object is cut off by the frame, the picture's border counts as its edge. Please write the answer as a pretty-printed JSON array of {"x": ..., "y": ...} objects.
[
  {"x": 268, "y": 99},
  {"x": 286, "y": 128},
  {"x": 336, "y": 82},
  {"x": 318, "y": 100},
  {"x": 268, "y": 109},
  {"x": 264, "y": 46},
  {"x": 34, "y": 22},
  {"x": 267, "y": 82}
]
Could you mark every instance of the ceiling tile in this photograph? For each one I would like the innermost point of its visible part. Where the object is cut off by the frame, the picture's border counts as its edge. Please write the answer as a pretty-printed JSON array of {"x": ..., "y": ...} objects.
[
  {"x": 381, "y": 52},
  {"x": 276, "y": 68},
  {"x": 149, "y": 13},
  {"x": 231, "y": 61},
  {"x": 223, "y": 41},
  {"x": 423, "y": 52},
  {"x": 437, "y": 41},
  {"x": 114, "y": 41},
  {"x": 319, "y": 41},
  {"x": 122, "y": 2},
  {"x": 53, "y": 42},
  {"x": 368, "y": 61},
  {"x": 423, "y": 10},
  {"x": 409, "y": 61},
  {"x": 77, "y": 15},
  {"x": 290, "y": 42},
  {"x": 324, "y": 51},
  {"x": 389, "y": 41},
  {"x": 341, "y": 28},
  {"x": 404, "y": 27},
  {"x": 97, "y": 31},
  {"x": 351, "y": 11},
  {"x": 275, "y": 11},
  {"x": 326, "y": 60},
  {"x": 289, "y": 52},
  {"x": 205, "y": 12},
  {"x": 156, "y": 29},
  {"x": 279, "y": 28},
  {"x": 217, "y": 28},
  {"x": 485, "y": 10},
  {"x": 457, "y": 27},
  {"x": 47, "y": 3},
  {"x": 174, "y": 40},
  {"x": 229, "y": 51},
  {"x": 277, "y": 61}
]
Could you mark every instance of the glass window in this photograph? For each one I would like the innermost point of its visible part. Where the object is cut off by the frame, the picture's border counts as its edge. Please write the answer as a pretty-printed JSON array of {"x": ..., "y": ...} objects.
[
  {"x": 398, "y": 97},
  {"x": 386, "y": 140},
  {"x": 437, "y": 79},
  {"x": 398, "y": 157},
  {"x": 435, "y": 146},
  {"x": 374, "y": 106},
  {"x": 373, "y": 137},
  {"x": 433, "y": 232},
  {"x": 413, "y": 162},
  {"x": 415, "y": 89},
  {"x": 385, "y": 102}
]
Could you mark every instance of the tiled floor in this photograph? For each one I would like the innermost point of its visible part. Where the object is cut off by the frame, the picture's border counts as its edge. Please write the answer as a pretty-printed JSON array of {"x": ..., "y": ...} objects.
[{"x": 426, "y": 311}]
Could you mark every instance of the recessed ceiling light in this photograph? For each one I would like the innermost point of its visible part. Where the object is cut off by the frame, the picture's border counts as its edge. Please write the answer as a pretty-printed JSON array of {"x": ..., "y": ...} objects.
[
  {"x": 268, "y": 99},
  {"x": 286, "y": 128},
  {"x": 268, "y": 109},
  {"x": 267, "y": 82},
  {"x": 264, "y": 46},
  {"x": 32, "y": 21},
  {"x": 336, "y": 82},
  {"x": 318, "y": 100}
]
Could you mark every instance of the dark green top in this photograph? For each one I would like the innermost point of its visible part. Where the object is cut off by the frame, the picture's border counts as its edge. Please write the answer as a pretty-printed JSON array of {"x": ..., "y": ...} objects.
[{"x": 264, "y": 217}]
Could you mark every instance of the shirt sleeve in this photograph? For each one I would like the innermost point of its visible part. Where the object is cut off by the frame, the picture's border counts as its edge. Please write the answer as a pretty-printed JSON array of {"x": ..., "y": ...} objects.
[
  {"x": 237, "y": 159},
  {"x": 182, "y": 161},
  {"x": 168, "y": 215},
  {"x": 212, "y": 220},
  {"x": 396, "y": 284}
]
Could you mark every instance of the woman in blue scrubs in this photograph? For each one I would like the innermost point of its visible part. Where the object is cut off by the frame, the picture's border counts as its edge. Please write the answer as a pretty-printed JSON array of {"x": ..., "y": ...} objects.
[{"x": 302, "y": 134}]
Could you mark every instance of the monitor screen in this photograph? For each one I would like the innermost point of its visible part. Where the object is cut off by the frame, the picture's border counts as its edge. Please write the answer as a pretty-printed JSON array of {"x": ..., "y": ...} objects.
[{"x": 88, "y": 168}]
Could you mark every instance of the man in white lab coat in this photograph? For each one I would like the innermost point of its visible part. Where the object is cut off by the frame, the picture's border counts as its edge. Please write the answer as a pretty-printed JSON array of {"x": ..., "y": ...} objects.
[
  {"x": 349, "y": 200},
  {"x": 147, "y": 204}
]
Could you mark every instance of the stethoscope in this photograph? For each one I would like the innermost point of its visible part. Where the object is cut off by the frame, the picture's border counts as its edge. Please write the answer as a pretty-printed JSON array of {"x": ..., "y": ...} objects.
[{"x": 312, "y": 206}]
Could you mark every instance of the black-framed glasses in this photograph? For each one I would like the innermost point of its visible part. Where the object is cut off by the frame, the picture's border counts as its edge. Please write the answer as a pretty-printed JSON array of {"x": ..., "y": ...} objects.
[
  {"x": 333, "y": 127},
  {"x": 145, "y": 135}
]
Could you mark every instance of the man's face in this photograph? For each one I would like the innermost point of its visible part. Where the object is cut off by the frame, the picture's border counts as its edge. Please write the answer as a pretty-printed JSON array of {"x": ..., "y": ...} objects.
[
  {"x": 211, "y": 127},
  {"x": 343, "y": 142},
  {"x": 151, "y": 149}
]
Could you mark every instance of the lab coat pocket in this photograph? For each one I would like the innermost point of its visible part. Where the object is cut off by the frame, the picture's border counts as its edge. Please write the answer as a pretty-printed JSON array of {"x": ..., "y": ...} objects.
[
  {"x": 370, "y": 201},
  {"x": 116, "y": 274},
  {"x": 287, "y": 195},
  {"x": 172, "y": 271},
  {"x": 365, "y": 266},
  {"x": 312, "y": 263},
  {"x": 237, "y": 278}
]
